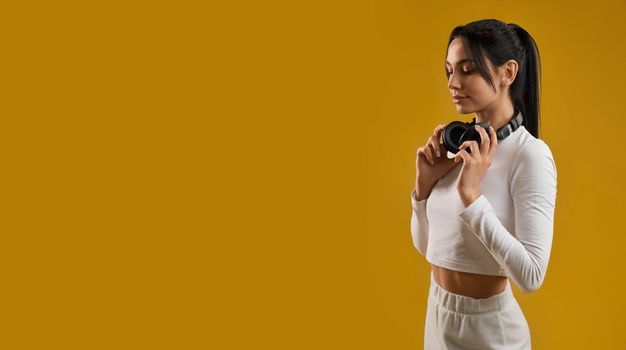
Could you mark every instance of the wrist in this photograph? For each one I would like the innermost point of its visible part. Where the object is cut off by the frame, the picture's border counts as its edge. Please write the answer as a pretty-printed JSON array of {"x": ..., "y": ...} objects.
[
  {"x": 469, "y": 196},
  {"x": 421, "y": 194}
]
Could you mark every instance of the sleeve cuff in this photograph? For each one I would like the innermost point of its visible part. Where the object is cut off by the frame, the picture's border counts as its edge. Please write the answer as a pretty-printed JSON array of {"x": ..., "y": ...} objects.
[
  {"x": 472, "y": 211},
  {"x": 417, "y": 204}
]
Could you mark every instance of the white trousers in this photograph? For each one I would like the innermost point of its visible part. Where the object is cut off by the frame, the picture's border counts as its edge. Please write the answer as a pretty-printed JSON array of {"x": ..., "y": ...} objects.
[{"x": 456, "y": 321}]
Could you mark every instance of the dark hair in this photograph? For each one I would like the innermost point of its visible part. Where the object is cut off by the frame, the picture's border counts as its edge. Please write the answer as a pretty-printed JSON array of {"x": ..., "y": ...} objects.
[{"x": 500, "y": 42}]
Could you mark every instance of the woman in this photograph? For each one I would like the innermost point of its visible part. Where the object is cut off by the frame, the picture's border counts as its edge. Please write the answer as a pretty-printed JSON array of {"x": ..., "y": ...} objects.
[{"x": 486, "y": 215}]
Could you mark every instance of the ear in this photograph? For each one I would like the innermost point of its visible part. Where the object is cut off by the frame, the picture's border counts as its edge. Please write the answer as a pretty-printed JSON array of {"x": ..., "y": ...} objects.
[{"x": 508, "y": 72}]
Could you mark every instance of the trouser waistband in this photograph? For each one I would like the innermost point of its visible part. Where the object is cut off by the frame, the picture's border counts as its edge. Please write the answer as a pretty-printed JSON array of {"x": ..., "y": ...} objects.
[{"x": 469, "y": 305}]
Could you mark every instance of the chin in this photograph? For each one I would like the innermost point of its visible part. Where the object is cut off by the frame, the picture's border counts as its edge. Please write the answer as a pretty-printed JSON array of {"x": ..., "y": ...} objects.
[{"x": 464, "y": 109}]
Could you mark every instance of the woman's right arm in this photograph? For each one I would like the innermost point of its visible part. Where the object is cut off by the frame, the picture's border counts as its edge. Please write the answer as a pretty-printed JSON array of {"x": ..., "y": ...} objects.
[
  {"x": 431, "y": 164},
  {"x": 419, "y": 223}
]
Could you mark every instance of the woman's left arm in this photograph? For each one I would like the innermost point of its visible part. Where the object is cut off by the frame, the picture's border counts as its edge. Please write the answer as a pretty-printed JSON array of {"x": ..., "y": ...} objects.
[{"x": 525, "y": 254}]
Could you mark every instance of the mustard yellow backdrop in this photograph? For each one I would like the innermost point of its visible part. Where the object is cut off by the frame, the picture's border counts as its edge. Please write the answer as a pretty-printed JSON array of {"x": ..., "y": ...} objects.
[
  {"x": 582, "y": 46},
  {"x": 236, "y": 175}
]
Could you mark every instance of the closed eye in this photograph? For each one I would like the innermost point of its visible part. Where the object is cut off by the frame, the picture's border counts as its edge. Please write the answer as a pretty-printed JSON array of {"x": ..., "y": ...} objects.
[{"x": 468, "y": 72}]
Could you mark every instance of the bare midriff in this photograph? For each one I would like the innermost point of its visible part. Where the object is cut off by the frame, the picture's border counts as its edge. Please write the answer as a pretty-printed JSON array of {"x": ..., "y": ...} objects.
[{"x": 473, "y": 285}]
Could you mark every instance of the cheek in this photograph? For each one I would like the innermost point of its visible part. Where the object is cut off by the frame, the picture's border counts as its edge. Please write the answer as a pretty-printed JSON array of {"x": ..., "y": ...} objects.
[{"x": 480, "y": 91}]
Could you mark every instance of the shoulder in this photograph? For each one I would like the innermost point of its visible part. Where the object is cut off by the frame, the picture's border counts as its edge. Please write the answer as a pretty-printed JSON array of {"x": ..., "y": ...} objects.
[
  {"x": 534, "y": 148},
  {"x": 534, "y": 156}
]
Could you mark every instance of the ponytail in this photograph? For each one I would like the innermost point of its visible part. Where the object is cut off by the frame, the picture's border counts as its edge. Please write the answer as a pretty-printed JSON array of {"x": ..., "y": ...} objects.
[{"x": 528, "y": 82}]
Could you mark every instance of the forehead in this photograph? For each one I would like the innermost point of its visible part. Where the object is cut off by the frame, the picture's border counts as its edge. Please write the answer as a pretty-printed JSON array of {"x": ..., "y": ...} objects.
[
  {"x": 456, "y": 56},
  {"x": 456, "y": 53}
]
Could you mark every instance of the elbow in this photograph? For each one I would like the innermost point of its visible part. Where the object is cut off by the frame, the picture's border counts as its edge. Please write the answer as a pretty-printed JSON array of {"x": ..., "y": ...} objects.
[
  {"x": 420, "y": 248},
  {"x": 527, "y": 289},
  {"x": 531, "y": 279},
  {"x": 419, "y": 235},
  {"x": 531, "y": 286},
  {"x": 419, "y": 242}
]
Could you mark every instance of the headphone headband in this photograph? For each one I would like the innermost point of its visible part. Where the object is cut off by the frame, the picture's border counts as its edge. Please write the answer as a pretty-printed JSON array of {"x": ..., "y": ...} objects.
[{"x": 510, "y": 127}]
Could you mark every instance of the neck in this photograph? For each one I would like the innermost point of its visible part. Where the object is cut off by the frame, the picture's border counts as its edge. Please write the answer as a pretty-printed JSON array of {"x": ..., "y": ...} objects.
[{"x": 497, "y": 117}]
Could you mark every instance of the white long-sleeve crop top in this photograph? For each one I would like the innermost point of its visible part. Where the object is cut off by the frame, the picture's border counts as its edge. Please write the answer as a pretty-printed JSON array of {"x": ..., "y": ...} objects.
[{"x": 508, "y": 229}]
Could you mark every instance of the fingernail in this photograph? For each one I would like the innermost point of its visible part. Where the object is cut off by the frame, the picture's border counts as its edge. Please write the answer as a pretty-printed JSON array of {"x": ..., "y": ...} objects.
[
  {"x": 432, "y": 162},
  {"x": 438, "y": 154}
]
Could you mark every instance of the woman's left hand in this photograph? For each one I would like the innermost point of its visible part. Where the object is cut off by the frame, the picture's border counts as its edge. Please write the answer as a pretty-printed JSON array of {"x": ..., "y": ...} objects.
[{"x": 475, "y": 164}]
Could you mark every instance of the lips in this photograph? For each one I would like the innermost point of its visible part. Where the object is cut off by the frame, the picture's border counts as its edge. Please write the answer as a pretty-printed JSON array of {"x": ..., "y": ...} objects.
[{"x": 458, "y": 98}]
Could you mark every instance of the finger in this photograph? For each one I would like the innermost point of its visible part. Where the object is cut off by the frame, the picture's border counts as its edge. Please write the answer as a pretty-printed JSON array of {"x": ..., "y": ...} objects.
[
  {"x": 484, "y": 141},
  {"x": 473, "y": 145},
  {"x": 428, "y": 151},
  {"x": 420, "y": 150},
  {"x": 461, "y": 155},
  {"x": 439, "y": 132},
  {"x": 461, "y": 146},
  {"x": 434, "y": 143},
  {"x": 431, "y": 143},
  {"x": 494, "y": 141},
  {"x": 439, "y": 128}
]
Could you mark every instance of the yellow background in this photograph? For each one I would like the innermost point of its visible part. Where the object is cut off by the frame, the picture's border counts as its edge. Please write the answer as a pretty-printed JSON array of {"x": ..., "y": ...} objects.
[{"x": 236, "y": 175}]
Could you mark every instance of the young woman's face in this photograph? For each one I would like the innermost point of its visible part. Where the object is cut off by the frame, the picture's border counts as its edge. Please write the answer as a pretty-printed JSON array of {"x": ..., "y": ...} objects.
[{"x": 464, "y": 79}]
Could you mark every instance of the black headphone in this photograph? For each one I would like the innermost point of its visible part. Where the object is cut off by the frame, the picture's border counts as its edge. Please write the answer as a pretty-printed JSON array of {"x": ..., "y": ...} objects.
[{"x": 457, "y": 132}]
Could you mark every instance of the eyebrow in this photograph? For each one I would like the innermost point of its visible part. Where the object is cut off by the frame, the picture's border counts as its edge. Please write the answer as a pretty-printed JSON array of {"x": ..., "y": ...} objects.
[{"x": 462, "y": 61}]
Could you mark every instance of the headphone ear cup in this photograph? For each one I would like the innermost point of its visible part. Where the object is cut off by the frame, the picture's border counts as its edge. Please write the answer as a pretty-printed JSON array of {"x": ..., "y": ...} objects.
[
  {"x": 472, "y": 134},
  {"x": 469, "y": 134},
  {"x": 452, "y": 134}
]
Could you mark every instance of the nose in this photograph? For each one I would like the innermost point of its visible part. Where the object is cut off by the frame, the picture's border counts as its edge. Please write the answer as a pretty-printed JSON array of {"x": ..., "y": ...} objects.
[{"x": 453, "y": 82}]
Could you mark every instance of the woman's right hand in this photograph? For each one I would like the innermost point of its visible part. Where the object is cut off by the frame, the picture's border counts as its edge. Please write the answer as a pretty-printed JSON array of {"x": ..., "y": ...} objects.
[{"x": 429, "y": 165}]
